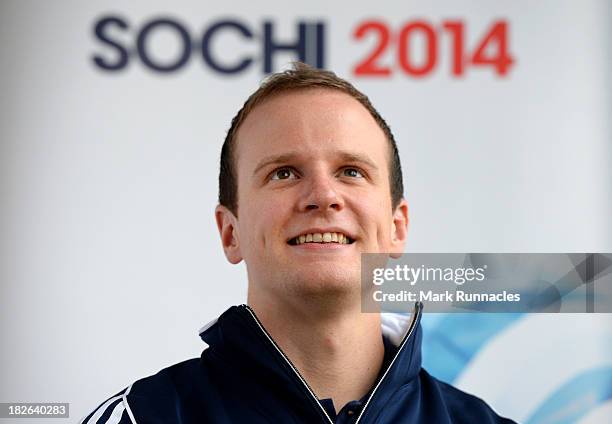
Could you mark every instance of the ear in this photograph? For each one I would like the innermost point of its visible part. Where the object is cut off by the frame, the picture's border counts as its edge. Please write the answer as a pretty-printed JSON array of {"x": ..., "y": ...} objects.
[
  {"x": 227, "y": 224},
  {"x": 399, "y": 229}
]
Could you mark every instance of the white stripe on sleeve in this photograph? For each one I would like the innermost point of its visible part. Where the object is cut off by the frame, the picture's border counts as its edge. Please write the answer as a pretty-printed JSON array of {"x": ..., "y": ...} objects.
[
  {"x": 127, "y": 405},
  {"x": 117, "y": 413},
  {"x": 95, "y": 417}
]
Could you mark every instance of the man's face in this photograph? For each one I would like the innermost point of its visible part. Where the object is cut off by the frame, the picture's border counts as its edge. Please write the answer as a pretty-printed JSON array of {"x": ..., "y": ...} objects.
[{"x": 311, "y": 164}]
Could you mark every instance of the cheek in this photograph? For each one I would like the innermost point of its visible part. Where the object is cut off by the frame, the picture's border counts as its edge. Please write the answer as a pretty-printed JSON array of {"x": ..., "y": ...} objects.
[
  {"x": 260, "y": 221},
  {"x": 378, "y": 219}
]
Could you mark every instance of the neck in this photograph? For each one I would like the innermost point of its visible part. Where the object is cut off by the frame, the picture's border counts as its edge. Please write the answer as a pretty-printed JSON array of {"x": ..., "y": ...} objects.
[{"x": 336, "y": 348}]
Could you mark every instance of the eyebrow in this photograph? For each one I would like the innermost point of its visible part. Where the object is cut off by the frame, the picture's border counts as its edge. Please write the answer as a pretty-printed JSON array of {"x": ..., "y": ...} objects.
[
  {"x": 288, "y": 157},
  {"x": 276, "y": 159},
  {"x": 355, "y": 157}
]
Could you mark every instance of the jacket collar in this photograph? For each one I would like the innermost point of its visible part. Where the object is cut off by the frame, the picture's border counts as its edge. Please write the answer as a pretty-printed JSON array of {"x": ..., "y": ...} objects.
[{"x": 239, "y": 340}]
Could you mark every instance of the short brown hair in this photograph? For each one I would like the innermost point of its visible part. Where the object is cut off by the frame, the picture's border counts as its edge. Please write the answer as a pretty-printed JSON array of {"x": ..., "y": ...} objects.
[{"x": 300, "y": 77}]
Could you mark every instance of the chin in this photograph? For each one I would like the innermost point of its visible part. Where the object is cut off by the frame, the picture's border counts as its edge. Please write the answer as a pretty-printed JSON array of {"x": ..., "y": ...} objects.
[{"x": 329, "y": 282}]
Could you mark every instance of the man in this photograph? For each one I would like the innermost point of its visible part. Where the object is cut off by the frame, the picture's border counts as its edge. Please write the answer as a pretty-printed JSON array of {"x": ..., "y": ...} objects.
[{"x": 310, "y": 179}]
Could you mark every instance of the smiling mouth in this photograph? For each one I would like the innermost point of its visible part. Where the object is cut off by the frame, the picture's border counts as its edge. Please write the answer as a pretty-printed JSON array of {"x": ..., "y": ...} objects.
[{"x": 322, "y": 238}]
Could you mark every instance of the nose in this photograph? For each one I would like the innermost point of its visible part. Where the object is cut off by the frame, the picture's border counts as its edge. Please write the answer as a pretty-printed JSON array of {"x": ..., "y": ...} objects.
[{"x": 321, "y": 194}]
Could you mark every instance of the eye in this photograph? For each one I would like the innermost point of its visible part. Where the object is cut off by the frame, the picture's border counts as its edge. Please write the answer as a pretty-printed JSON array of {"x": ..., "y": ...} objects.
[
  {"x": 283, "y": 174},
  {"x": 352, "y": 172}
]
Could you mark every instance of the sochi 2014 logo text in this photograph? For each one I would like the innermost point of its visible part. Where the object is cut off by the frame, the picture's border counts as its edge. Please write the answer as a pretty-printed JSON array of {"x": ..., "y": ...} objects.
[{"x": 414, "y": 49}]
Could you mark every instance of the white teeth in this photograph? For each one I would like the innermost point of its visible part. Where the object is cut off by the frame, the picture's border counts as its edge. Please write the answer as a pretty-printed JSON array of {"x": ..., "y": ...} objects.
[{"x": 322, "y": 238}]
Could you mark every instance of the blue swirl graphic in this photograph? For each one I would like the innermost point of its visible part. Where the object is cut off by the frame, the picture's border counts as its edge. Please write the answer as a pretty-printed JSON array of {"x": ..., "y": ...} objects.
[
  {"x": 577, "y": 397},
  {"x": 450, "y": 341}
]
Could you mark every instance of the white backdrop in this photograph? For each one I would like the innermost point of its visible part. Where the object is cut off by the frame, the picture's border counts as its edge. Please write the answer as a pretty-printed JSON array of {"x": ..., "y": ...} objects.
[{"x": 110, "y": 259}]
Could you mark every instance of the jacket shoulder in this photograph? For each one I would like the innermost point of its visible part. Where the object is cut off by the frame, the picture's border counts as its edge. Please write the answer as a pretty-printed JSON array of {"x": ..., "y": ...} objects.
[
  {"x": 156, "y": 395},
  {"x": 466, "y": 408},
  {"x": 114, "y": 410}
]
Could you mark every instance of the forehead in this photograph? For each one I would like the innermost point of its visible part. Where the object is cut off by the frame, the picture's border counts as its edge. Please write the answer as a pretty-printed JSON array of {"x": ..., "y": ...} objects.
[{"x": 311, "y": 123}]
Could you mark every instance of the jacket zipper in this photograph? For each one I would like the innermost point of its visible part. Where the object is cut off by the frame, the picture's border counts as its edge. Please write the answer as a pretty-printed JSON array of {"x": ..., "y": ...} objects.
[
  {"x": 417, "y": 312},
  {"x": 296, "y": 372},
  {"x": 415, "y": 319}
]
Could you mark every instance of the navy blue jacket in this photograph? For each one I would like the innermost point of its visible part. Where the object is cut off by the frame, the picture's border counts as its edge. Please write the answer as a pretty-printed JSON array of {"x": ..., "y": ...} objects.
[{"x": 244, "y": 377}]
